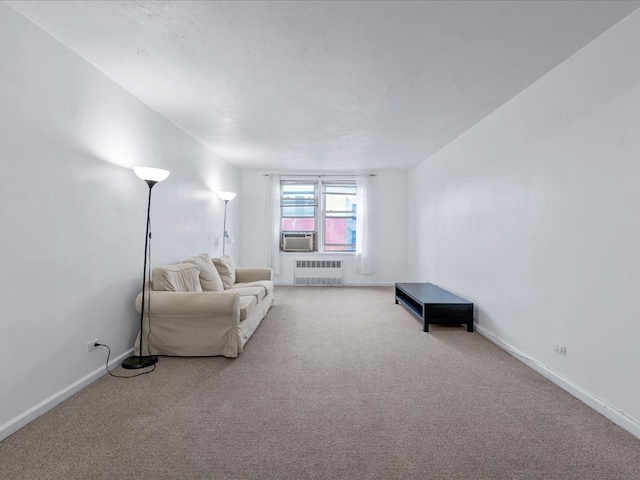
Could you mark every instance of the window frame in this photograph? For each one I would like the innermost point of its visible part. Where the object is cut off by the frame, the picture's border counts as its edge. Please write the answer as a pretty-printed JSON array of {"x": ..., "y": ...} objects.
[
  {"x": 326, "y": 213},
  {"x": 315, "y": 205},
  {"x": 320, "y": 211}
]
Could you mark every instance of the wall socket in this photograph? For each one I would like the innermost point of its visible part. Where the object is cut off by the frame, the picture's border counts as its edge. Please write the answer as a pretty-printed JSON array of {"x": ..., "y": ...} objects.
[
  {"x": 92, "y": 345},
  {"x": 561, "y": 349}
]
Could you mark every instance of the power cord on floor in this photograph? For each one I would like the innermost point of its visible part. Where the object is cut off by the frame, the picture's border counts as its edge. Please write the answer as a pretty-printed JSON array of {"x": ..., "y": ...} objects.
[{"x": 120, "y": 376}]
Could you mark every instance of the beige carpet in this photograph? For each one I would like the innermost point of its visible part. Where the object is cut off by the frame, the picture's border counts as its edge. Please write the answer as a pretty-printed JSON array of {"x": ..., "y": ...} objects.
[{"x": 335, "y": 383}]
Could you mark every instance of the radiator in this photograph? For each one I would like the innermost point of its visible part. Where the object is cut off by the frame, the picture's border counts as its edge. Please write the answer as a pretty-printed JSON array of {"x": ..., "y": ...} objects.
[{"x": 318, "y": 273}]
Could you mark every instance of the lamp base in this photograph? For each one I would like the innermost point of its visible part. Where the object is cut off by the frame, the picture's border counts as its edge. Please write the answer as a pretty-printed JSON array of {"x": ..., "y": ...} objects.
[{"x": 139, "y": 362}]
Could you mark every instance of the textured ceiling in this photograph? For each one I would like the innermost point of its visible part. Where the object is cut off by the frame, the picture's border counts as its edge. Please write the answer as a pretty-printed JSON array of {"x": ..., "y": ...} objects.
[{"x": 320, "y": 85}]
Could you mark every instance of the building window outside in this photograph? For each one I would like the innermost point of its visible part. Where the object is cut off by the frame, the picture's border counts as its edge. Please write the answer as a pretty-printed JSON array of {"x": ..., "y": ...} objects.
[{"x": 331, "y": 216}]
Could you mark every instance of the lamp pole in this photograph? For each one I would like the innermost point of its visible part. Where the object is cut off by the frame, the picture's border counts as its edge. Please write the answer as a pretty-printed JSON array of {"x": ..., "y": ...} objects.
[
  {"x": 225, "y": 196},
  {"x": 151, "y": 176},
  {"x": 225, "y": 235}
]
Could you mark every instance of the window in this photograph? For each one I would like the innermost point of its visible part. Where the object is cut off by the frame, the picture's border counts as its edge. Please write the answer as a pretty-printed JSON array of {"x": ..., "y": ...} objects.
[
  {"x": 339, "y": 215},
  {"x": 329, "y": 217},
  {"x": 298, "y": 204}
]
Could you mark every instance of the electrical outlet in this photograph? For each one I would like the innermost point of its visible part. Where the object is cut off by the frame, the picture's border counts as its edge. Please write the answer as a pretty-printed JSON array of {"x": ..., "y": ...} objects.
[
  {"x": 561, "y": 349},
  {"x": 92, "y": 345}
]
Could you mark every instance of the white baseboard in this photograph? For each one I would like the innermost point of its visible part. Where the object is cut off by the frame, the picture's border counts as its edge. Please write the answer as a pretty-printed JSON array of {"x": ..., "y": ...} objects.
[
  {"x": 30, "y": 415},
  {"x": 616, "y": 416}
]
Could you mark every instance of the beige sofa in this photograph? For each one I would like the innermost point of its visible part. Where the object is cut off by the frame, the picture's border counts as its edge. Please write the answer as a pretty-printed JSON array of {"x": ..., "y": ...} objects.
[{"x": 204, "y": 307}]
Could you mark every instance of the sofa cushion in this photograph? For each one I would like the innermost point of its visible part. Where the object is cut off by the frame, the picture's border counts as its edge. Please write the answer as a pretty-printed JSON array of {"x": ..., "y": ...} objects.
[
  {"x": 227, "y": 270},
  {"x": 258, "y": 292},
  {"x": 247, "y": 303},
  {"x": 209, "y": 277},
  {"x": 266, "y": 284},
  {"x": 183, "y": 277}
]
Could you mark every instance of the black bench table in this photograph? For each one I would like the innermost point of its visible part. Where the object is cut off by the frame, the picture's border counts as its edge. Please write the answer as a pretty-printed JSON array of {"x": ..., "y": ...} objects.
[{"x": 433, "y": 304}]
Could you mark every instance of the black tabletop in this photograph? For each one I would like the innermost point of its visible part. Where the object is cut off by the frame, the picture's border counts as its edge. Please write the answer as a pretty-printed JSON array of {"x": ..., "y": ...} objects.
[{"x": 429, "y": 293}]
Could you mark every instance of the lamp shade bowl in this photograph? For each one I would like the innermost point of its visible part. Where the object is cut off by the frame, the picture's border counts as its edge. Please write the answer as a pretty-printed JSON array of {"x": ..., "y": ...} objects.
[
  {"x": 151, "y": 174},
  {"x": 226, "y": 196}
]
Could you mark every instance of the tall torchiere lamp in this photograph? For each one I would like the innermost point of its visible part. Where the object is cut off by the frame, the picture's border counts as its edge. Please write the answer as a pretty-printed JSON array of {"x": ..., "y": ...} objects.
[
  {"x": 151, "y": 176},
  {"x": 226, "y": 196}
]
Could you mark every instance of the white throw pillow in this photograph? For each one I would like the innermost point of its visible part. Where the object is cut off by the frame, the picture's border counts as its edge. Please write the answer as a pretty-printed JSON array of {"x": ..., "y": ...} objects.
[
  {"x": 209, "y": 276},
  {"x": 227, "y": 270},
  {"x": 183, "y": 277}
]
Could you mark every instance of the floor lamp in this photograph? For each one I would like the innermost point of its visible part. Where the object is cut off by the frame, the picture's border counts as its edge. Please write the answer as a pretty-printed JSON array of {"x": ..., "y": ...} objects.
[
  {"x": 151, "y": 176},
  {"x": 226, "y": 196}
]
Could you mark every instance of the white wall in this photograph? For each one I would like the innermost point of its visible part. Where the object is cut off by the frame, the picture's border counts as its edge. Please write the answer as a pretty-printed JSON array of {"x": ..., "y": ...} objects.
[
  {"x": 389, "y": 224},
  {"x": 73, "y": 215},
  {"x": 533, "y": 215}
]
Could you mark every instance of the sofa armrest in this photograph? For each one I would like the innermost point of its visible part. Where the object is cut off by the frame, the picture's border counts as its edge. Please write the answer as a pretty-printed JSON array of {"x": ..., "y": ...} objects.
[
  {"x": 253, "y": 274},
  {"x": 200, "y": 304}
]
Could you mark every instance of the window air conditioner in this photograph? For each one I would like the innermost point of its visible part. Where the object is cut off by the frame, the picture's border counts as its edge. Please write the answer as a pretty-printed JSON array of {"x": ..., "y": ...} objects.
[{"x": 298, "y": 242}]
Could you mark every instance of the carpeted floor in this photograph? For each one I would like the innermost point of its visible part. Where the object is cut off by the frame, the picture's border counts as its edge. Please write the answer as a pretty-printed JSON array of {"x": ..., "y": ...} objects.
[{"x": 336, "y": 383}]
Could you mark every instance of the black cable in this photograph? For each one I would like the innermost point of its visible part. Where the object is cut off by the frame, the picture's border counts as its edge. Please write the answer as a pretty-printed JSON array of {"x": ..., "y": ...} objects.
[
  {"x": 120, "y": 376},
  {"x": 148, "y": 275}
]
